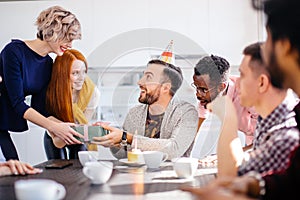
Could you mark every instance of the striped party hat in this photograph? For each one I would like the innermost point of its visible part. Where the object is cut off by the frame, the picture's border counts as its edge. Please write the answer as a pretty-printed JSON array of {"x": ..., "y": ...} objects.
[{"x": 168, "y": 56}]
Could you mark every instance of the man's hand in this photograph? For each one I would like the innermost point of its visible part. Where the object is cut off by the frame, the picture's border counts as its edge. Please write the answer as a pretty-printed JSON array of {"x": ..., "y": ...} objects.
[
  {"x": 15, "y": 167},
  {"x": 222, "y": 106},
  {"x": 225, "y": 188},
  {"x": 112, "y": 139}
]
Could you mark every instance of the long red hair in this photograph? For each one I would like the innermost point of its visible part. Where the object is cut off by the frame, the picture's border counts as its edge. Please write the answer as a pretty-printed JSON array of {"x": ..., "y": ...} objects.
[{"x": 59, "y": 92}]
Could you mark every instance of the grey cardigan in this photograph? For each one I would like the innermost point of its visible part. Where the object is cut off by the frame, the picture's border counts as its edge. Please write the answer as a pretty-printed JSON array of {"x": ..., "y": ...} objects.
[{"x": 177, "y": 133}]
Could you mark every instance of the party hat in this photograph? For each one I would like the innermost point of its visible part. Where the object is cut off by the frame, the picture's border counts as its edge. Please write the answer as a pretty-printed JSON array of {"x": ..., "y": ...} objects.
[{"x": 168, "y": 56}]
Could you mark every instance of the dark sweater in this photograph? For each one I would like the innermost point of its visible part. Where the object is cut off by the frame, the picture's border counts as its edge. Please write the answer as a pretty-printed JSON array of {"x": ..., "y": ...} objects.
[{"x": 24, "y": 73}]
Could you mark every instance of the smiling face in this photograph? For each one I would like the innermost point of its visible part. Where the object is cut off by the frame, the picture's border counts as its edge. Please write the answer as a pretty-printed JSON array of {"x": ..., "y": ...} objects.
[
  {"x": 78, "y": 74},
  {"x": 60, "y": 47},
  {"x": 58, "y": 27},
  {"x": 210, "y": 91},
  {"x": 150, "y": 84}
]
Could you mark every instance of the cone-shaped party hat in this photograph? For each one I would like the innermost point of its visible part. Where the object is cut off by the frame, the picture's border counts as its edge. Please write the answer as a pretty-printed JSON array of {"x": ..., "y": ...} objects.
[{"x": 168, "y": 56}]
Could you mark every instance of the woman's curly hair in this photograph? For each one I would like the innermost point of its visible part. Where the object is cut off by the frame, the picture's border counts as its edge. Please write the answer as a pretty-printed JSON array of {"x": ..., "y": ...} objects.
[{"x": 57, "y": 24}]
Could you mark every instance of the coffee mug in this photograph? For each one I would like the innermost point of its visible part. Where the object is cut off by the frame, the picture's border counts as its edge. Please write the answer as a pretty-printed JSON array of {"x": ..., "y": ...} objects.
[
  {"x": 185, "y": 167},
  {"x": 98, "y": 172},
  {"x": 153, "y": 159},
  {"x": 39, "y": 189},
  {"x": 87, "y": 156}
]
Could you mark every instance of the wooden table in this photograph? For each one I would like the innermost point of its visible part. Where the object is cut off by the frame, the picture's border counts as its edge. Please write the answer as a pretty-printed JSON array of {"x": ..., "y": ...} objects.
[{"x": 79, "y": 187}]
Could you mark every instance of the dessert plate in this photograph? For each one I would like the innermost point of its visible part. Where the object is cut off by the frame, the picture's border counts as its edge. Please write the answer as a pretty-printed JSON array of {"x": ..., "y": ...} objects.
[{"x": 131, "y": 163}]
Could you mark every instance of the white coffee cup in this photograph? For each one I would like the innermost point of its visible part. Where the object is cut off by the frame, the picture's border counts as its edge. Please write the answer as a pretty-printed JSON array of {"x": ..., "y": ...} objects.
[
  {"x": 153, "y": 159},
  {"x": 185, "y": 167},
  {"x": 98, "y": 172},
  {"x": 87, "y": 156},
  {"x": 39, "y": 189}
]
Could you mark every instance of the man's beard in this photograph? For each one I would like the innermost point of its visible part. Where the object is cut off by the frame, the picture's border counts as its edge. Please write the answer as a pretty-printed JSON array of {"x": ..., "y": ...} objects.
[
  {"x": 277, "y": 76},
  {"x": 151, "y": 97}
]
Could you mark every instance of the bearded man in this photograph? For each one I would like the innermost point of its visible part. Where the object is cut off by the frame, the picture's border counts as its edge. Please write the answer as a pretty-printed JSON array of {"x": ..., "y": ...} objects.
[{"x": 161, "y": 122}]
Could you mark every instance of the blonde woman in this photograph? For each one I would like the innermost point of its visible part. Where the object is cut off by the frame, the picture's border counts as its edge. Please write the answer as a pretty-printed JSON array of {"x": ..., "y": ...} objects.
[
  {"x": 25, "y": 67},
  {"x": 71, "y": 96}
]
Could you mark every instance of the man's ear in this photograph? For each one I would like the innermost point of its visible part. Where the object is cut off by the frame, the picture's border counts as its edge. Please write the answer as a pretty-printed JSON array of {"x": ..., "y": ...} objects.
[
  {"x": 263, "y": 83},
  {"x": 166, "y": 87},
  {"x": 222, "y": 87},
  {"x": 286, "y": 54},
  {"x": 285, "y": 49}
]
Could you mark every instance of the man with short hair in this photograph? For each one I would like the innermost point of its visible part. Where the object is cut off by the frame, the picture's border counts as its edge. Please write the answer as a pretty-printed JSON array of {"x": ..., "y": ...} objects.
[
  {"x": 276, "y": 133},
  {"x": 211, "y": 79},
  {"x": 161, "y": 122},
  {"x": 281, "y": 54}
]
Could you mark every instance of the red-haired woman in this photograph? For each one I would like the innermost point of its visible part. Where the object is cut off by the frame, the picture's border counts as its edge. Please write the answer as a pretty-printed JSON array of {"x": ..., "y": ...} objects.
[{"x": 71, "y": 97}]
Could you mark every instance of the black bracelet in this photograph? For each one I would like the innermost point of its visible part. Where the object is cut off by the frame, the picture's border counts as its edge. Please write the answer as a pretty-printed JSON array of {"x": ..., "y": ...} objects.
[
  {"x": 123, "y": 142},
  {"x": 124, "y": 136}
]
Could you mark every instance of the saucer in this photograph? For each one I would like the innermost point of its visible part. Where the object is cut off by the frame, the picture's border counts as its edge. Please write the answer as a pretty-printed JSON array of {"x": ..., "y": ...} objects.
[
  {"x": 130, "y": 169},
  {"x": 131, "y": 163}
]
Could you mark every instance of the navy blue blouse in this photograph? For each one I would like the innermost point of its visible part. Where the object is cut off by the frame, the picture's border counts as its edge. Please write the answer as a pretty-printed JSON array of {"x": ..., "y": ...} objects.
[{"x": 24, "y": 73}]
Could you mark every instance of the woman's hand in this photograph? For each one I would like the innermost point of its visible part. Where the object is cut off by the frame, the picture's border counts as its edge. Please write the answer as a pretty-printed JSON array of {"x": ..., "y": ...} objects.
[
  {"x": 65, "y": 132},
  {"x": 15, "y": 167}
]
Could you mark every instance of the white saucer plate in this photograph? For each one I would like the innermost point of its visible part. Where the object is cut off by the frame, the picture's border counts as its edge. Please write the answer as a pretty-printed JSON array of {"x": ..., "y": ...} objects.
[{"x": 131, "y": 163}]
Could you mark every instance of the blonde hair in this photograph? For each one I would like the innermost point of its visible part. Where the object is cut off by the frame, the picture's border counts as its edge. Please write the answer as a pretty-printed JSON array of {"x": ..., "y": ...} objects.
[{"x": 57, "y": 24}]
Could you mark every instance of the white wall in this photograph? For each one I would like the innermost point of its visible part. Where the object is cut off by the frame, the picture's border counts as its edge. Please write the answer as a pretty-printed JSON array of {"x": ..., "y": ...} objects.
[{"x": 221, "y": 27}]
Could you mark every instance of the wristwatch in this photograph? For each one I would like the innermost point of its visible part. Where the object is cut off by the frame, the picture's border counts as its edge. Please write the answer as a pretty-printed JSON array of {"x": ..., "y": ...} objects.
[{"x": 124, "y": 140}]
